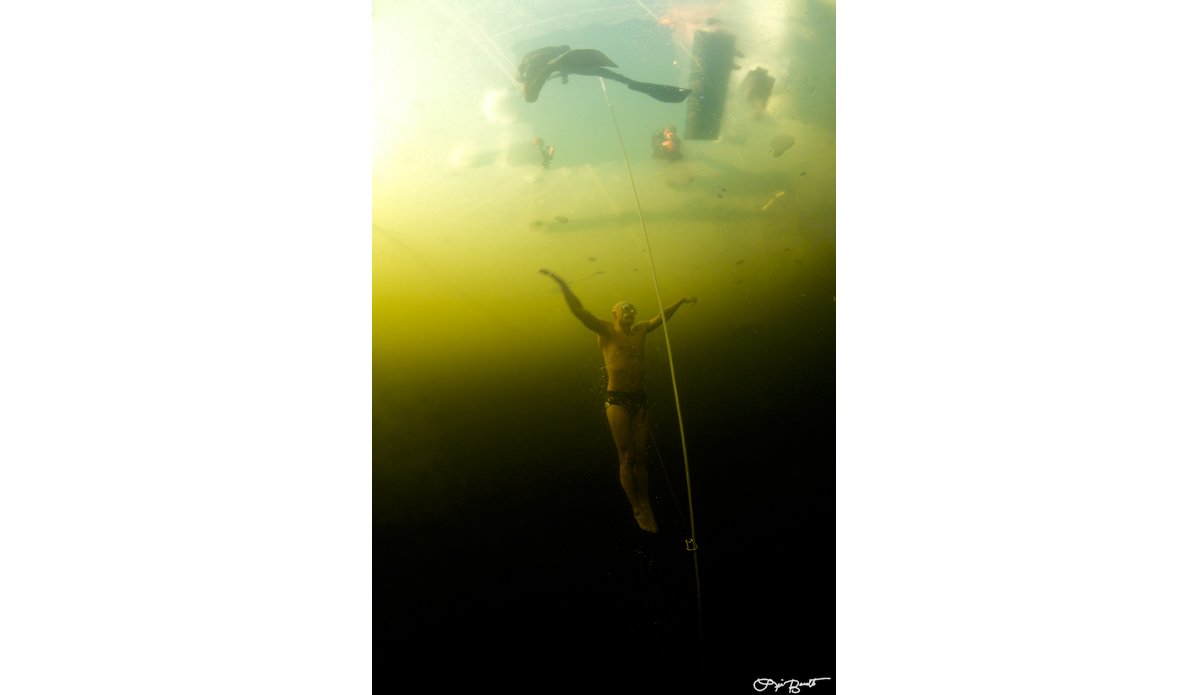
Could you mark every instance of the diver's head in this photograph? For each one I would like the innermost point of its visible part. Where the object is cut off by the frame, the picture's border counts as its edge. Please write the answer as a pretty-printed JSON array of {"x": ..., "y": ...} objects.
[{"x": 624, "y": 313}]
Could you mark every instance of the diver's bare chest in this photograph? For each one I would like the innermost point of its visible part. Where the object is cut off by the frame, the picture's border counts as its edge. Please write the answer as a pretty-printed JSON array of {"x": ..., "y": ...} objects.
[{"x": 623, "y": 347}]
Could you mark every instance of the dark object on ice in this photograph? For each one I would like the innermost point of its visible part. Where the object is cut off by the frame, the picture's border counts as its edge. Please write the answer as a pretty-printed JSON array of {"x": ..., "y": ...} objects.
[
  {"x": 756, "y": 87},
  {"x": 559, "y": 61},
  {"x": 780, "y": 144},
  {"x": 598, "y": 272},
  {"x": 546, "y": 151},
  {"x": 537, "y": 223},
  {"x": 665, "y": 144},
  {"x": 560, "y": 218},
  {"x": 739, "y": 262},
  {"x": 591, "y": 258},
  {"x": 712, "y": 61}
]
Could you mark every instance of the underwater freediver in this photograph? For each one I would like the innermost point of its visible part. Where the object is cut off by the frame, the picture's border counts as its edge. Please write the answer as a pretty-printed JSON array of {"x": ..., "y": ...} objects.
[
  {"x": 539, "y": 65},
  {"x": 545, "y": 150},
  {"x": 665, "y": 144},
  {"x": 623, "y": 344}
]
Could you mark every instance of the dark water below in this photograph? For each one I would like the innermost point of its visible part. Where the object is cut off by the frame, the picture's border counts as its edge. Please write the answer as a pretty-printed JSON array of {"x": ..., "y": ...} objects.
[{"x": 530, "y": 569}]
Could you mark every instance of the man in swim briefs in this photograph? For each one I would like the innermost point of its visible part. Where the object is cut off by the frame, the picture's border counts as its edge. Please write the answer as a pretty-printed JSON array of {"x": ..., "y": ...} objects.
[{"x": 623, "y": 344}]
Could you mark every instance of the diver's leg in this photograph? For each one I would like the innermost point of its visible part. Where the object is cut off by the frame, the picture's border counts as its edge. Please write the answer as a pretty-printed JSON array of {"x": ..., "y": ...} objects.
[
  {"x": 622, "y": 431},
  {"x": 641, "y": 433}
]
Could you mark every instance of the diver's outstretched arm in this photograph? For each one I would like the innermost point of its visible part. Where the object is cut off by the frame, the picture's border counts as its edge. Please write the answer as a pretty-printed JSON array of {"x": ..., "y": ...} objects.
[
  {"x": 588, "y": 318},
  {"x": 669, "y": 312}
]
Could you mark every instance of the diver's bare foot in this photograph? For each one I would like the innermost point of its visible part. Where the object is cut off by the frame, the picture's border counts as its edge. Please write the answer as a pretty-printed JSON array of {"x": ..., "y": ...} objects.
[{"x": 646, "y": 521}]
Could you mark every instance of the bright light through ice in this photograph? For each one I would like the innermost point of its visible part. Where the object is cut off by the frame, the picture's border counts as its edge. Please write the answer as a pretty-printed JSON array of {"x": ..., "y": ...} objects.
[{"x": 500, "y": 106}]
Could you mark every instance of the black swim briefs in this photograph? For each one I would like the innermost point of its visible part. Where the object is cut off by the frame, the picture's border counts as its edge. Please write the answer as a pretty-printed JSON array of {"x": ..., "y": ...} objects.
[{"x": 632, "y": 402}]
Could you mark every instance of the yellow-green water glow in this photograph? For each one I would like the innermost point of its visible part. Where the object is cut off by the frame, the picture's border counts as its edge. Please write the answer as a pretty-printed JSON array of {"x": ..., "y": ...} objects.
[{"x": 464, "y": 215}]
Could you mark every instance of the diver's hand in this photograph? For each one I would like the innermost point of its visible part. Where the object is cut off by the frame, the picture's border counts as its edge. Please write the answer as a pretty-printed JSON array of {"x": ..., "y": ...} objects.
[{"x": 689, "y": 300}]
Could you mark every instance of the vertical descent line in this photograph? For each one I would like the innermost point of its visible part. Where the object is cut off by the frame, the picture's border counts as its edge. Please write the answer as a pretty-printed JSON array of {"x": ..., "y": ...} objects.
[{"x": 670, "y": 358}]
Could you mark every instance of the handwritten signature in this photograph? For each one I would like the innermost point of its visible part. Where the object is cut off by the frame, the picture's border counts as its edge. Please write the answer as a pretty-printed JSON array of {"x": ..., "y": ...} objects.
[{"x": 793, "y": 684}]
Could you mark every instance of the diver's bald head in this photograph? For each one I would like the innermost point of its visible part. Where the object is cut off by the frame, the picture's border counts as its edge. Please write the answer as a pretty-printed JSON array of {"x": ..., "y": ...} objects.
[{"x": 624, "y": 311}]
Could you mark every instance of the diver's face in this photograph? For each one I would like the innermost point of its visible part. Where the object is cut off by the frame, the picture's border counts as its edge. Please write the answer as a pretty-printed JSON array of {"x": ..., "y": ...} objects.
[{"x": 625, "y": 313}]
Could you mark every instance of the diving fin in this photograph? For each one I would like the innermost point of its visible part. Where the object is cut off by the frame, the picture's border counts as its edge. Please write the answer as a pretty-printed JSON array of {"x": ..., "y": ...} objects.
[{"x": 661, "y": 92}]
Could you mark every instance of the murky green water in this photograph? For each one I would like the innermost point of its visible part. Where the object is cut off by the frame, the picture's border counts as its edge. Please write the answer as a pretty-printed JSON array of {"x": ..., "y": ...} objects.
[{"x": 487, "y": 418}]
